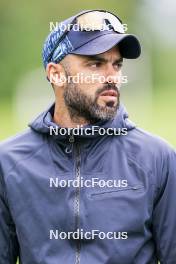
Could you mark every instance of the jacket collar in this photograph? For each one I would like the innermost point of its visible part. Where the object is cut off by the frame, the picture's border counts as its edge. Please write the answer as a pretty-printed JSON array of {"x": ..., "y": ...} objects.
[{"x": 43, "y": 123}]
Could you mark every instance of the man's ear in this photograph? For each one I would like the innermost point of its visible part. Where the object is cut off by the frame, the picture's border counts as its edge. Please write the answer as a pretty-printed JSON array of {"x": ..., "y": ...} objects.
[{"x": 55, "y": 74}]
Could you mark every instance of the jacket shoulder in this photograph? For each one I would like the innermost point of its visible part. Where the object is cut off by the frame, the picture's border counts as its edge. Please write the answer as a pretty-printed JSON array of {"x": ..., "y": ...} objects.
[
  {"x": 147, "y": 150},
  {"x": 19, "y": 147},
  {"x": 152, "y": 142}
]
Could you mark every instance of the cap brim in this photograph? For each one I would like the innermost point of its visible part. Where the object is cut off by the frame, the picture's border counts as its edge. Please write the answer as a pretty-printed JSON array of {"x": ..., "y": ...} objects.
[{"x": 129, "y": 45}]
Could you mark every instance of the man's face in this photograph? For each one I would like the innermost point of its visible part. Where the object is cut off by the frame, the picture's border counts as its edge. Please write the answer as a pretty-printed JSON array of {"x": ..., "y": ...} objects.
[{"x": 95, "y": 97}]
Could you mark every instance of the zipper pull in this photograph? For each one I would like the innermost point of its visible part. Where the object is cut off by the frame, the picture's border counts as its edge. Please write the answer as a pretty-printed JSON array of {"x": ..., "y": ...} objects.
[{"x": 71, "y": 139}]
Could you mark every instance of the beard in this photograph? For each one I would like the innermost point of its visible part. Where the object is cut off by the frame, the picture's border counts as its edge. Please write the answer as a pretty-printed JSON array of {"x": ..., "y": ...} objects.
[{"x": 81, "y": 105}]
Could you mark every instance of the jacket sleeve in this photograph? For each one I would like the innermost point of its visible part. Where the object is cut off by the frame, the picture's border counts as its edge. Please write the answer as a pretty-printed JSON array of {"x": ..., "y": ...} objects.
[
  {"x": 164, "y": 214},
  {"x": 8, "y": 241}
]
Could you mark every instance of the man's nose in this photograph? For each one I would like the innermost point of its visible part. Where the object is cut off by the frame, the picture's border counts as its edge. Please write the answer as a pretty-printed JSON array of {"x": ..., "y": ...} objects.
[{"x": 112, "y": 74}]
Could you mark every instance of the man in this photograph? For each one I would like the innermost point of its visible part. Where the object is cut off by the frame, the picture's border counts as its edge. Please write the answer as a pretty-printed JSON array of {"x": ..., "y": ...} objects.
[{"x": 82, "y": 184}]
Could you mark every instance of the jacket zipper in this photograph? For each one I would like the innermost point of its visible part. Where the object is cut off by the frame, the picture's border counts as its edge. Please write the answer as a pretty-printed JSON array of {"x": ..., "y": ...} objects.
[
  {"x": 77, "y": 202},
  {"x": 77, "y": 196}
]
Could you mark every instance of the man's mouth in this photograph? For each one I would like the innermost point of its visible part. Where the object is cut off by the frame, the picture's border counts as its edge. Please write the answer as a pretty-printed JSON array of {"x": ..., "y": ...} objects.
[
  {"x": 109, "y": 93},
  {"x": 109, "y": 97}
]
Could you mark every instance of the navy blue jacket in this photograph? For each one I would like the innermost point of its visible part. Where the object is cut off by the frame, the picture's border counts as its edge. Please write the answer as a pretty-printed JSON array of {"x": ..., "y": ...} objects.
[{"x": 30, "y": 208}]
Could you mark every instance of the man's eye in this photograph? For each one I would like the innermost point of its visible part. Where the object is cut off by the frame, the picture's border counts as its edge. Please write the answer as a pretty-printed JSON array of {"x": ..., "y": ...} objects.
[
  {"x": 95, "y": 64},
  {"x": 118, "y": 65}
]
